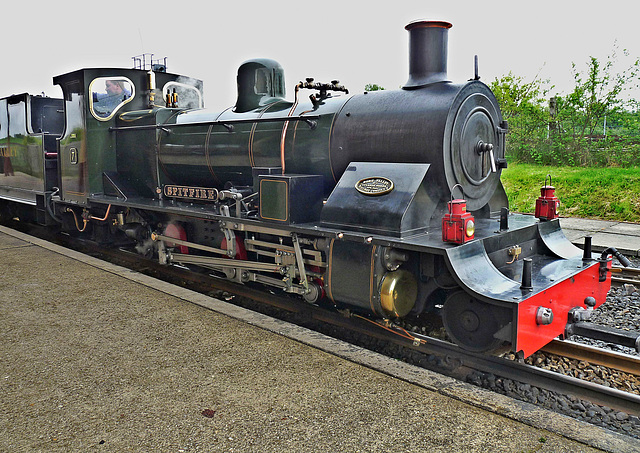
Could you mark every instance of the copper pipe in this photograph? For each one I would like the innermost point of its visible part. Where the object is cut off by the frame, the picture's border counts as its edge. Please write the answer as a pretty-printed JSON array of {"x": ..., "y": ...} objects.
[
  {"x": 101, "y": 219},
  {"x": 75, "y": 219},
  {"x": 286, "y": 126}
]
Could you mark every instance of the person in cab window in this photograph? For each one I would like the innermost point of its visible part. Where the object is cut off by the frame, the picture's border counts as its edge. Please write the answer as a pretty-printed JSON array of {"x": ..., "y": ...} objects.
[{"x": 115, "y": 92}]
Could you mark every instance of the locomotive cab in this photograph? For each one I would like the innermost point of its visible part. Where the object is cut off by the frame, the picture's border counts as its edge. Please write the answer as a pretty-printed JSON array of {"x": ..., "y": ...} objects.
[{"x": 93, "y": 157}]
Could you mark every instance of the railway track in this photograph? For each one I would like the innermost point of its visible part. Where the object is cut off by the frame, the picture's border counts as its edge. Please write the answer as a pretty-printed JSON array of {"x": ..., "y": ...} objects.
[
  {"x": 595, "y": 356},
  {"x": 625, "y": 275},
  {"x": 429, "y": 352}
]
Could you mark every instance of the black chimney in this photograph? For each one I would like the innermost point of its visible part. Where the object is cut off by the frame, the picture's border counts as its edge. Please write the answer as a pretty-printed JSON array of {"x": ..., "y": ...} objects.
[{"x": 427, "y": 52}]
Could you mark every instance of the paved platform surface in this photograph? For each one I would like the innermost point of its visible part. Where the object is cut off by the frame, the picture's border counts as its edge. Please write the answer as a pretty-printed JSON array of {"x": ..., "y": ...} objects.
[
  {"x": 625, "y": 237},
  {"x": 98, "y": 358}
]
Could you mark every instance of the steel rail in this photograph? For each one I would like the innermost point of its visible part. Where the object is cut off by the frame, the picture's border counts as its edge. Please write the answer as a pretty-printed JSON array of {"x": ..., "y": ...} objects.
[
  {"x": 595, "y": 356},
  {"x": 622, "y": 275},
  {"x": 457, "y": 358},
  {"x": 526, "y": 374}
]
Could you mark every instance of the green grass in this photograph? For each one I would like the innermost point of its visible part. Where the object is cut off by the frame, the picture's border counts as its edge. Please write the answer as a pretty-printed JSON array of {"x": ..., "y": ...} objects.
[{"x": 597, "y": 193}]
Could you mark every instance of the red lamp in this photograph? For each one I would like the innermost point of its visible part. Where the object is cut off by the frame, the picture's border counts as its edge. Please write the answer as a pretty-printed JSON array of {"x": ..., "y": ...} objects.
[
  {"x": 458, "y": 225},
  {"x": 547, "y": 203}
]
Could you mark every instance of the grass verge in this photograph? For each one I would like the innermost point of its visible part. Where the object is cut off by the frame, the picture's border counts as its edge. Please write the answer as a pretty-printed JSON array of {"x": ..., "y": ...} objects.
[{"x": 597, "y": 193}]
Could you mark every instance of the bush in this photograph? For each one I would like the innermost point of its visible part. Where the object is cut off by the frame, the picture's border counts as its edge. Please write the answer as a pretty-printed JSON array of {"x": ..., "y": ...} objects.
[{"x": 591, "y": 126}]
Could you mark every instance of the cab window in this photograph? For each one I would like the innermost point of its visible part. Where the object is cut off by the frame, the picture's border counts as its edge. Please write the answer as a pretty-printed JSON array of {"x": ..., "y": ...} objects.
[
  {"x": 262, "y": 82},
  {"x": 108, "y": 94}
]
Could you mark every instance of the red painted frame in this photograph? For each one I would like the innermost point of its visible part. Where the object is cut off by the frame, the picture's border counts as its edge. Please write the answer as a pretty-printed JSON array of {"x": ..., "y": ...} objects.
[{"x": 561, "y": 298}]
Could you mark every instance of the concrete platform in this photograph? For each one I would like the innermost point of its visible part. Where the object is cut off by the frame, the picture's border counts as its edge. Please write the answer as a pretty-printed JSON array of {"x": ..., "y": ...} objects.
[
  {"x": 95, "y": 357},
  {"x": 625, "y": 237}
]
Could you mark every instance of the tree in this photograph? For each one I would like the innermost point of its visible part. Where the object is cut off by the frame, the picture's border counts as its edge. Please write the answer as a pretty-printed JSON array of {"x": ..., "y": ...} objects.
[
  {"x": 597, "y": 91},
  {"x": 572, "y": 129},
  {"x": 596, "y": 96},
  {"x": 373, "y": 87},
  {"x": 523, "y": 106}
]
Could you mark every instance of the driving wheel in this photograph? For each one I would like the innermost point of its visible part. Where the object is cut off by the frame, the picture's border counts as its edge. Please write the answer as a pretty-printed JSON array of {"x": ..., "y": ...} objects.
[{"x": 472, "y": 324}]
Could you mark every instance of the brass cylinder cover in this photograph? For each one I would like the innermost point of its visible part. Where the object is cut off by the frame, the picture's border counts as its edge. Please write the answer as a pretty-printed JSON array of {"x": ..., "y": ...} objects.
[{"x": 398, "y": 293}]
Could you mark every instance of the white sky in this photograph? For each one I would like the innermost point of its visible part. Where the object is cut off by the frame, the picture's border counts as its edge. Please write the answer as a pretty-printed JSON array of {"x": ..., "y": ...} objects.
[{"x": 356, "y": 42}]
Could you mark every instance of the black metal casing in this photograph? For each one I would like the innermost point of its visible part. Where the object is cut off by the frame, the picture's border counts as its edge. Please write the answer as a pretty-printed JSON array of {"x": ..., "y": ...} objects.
[
  {"x": 405, "y": 210},
  {"x": 290, "y": 198}
]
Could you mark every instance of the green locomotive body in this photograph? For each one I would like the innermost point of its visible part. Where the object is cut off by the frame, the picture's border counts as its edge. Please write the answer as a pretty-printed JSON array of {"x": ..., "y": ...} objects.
[{"x": 338, "y": 198}]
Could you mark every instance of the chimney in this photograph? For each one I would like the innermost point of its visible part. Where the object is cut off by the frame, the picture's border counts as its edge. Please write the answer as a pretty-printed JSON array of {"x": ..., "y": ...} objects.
[{"x": 427, "y": 52}]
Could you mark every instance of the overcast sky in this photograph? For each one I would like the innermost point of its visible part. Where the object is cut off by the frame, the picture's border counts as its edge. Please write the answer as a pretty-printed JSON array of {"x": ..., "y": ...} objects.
[{"x": 356, "y": 42}]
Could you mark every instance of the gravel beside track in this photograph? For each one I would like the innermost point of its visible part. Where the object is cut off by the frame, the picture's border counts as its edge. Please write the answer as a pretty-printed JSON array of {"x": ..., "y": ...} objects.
[
  {"x": 621, "y": 311},
  {"x": 94, "y": 362}
]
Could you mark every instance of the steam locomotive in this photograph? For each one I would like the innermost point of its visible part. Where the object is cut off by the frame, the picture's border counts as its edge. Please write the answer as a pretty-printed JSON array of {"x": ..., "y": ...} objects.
[{"x": 386, "y": 202}]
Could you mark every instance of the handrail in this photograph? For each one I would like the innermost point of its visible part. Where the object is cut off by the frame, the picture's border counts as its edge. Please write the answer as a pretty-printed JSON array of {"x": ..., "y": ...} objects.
[{"x": 310, "y": 120}]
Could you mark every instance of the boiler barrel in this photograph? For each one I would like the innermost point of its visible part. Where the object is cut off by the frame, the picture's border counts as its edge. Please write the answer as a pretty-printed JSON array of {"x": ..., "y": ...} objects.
[{"x": 441, "y": 124}]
